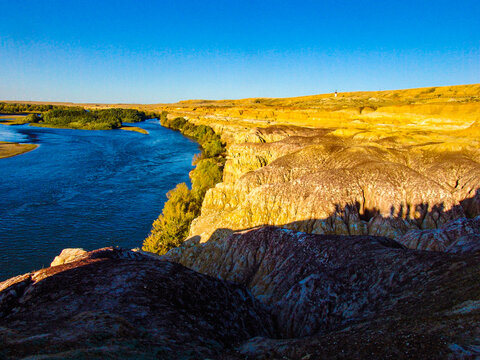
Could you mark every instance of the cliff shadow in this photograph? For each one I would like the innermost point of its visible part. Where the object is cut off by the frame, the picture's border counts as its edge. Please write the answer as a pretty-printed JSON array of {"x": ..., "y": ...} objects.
[{"x": 354, "y": 219}]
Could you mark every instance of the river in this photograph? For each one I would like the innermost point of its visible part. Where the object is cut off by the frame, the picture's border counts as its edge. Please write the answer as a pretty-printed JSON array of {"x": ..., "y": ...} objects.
[{"x": 87, "y": 189}]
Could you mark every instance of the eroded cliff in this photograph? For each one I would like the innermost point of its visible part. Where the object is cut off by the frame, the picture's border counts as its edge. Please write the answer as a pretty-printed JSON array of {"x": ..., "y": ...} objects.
[
  {"x": 329, "y": 182},
  {"x": 340, "y": 179}
]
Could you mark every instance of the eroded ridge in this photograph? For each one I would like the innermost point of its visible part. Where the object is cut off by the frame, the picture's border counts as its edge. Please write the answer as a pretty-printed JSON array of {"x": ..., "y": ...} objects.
[
  {"x": 350, "y": 296},
  {"x": 113, "y": 303},
  {"x": 325, "y": 183}
]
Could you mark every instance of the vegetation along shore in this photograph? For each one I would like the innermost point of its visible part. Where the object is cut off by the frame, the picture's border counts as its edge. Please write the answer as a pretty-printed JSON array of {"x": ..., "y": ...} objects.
[{"x": 68, "y": 117}]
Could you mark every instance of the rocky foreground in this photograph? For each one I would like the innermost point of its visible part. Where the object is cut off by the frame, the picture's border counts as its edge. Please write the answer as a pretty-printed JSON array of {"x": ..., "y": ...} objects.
[{"x": 262, "y": 293}]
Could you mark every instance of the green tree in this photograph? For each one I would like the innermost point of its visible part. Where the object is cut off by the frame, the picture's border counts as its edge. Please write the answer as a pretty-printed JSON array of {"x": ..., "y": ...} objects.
[
  {"x": 171, "y": 227},
  {"x": 183, "y": 205},
  {"x": 207, "y": 173},
  {"x": 32, "y": 118}
]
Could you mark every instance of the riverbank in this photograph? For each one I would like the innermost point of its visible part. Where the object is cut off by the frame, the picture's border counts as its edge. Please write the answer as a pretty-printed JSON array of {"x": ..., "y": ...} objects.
[
  {"x": 8, "y": 149},
  {"x": 126, "y": 128},
  {"x": 84, "y": 189},
  {"x": 12, "y": 119},
  {"x": 183, "y": 206},
  {"x": 365, "y": 163},
  {"x": 72, "y": 117}
]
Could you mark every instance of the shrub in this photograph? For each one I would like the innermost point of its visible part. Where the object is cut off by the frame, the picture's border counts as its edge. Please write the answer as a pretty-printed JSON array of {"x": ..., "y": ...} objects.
[
  {"x": 32, "y": 118},
  {"x": 171, "y": 227},
  {"x": 205, "y": 176},
  {"x": 78, "y": 118},
  {"x": 213, "y": 148}
]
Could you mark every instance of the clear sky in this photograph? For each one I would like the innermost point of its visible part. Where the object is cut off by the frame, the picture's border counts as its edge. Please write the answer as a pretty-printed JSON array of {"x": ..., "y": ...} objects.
[{"x": 165, "y": 51}]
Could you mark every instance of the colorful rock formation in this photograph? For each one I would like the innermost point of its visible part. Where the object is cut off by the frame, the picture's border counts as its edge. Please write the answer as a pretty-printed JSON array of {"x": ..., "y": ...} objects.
[{"x": 121, "y": 304}]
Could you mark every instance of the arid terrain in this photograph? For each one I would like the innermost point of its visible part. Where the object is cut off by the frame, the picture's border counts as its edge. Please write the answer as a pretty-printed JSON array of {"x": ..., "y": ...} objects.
[{"x": 377, "y": 163}]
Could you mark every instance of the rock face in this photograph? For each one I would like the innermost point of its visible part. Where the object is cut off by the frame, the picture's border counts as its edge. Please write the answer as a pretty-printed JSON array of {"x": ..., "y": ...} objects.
[
  {"x": 460, "y": 235},
  {"x": 328, "y": 181},
  {"x": 349, "y": 296},
  {"x": 121, "y": 304},
  {"x": 68, "y": 255},
  {"x": 314, "y": 296}
]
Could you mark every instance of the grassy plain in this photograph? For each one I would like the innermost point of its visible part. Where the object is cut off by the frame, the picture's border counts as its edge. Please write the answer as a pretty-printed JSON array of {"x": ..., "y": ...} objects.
[{"x": 450, "y": 110}]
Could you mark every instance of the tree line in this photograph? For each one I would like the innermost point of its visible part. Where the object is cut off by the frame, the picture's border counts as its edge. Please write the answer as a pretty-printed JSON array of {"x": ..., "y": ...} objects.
[
  {"x": 14, "y": 108},
  {"x": 92, "y": 120},
  {"x": 76, "y": 117},
  {"x": 184, "y": 204}
]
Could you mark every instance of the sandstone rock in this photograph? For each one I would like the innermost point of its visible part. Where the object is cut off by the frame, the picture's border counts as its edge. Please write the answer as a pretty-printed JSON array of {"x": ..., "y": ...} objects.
[
  {"x": 460, "y": 235},
  {"x": 351, "y": 296},
  {"x": 68, "y": 255},
  {"x": 120, "y": 304},
  {"x": 317, "y": 182}
]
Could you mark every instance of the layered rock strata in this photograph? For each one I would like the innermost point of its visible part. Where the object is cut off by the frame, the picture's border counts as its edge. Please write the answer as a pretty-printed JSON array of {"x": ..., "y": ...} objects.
[
  {"x": 346, "y": 297},
  {"x": 323, "y": 182},
  {"x": 113, "y": 303}
]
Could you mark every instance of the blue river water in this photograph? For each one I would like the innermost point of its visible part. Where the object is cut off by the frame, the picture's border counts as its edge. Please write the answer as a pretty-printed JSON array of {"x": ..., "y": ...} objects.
[{"x": 86, "y": 189}]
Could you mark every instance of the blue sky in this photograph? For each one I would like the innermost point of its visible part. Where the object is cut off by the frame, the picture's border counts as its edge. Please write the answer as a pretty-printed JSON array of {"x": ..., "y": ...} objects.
[{"x": 165, "y": 51}]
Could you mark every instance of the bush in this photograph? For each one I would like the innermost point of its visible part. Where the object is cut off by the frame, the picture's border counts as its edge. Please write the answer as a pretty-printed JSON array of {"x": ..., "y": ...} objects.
[
  {"x": 171, "y": 227},
  {"x": 205, "y": 176},
  {"x": 213, "y": 148},
  {"x": 183, "y": 205},
  {"x": 78, "y": 118},
  {"x": 32, "y": 118},
  {"x": 204, "y": 135}
]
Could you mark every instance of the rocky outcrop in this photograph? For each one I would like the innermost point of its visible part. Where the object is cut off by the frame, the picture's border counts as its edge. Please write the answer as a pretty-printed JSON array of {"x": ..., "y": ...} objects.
[
  {"x": 460, "y": 235},
  {"x": 121, "y": 304},
  {"x": 262, "y": 293},
  {"x": 321, "y": 182},
  {"x": 68, "y": 255},
  {"x": 349, "y": 296}
]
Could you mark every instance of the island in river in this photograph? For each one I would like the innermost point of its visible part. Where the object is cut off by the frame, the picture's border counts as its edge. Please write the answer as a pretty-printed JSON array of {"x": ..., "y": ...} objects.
[{"x": 8, "y": 149}]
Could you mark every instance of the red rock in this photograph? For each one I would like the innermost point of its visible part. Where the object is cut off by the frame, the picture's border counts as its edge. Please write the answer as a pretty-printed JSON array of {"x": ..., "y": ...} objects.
[
  {"x": 351, "y": 296},
  {"x": 117, "y": 303}
]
